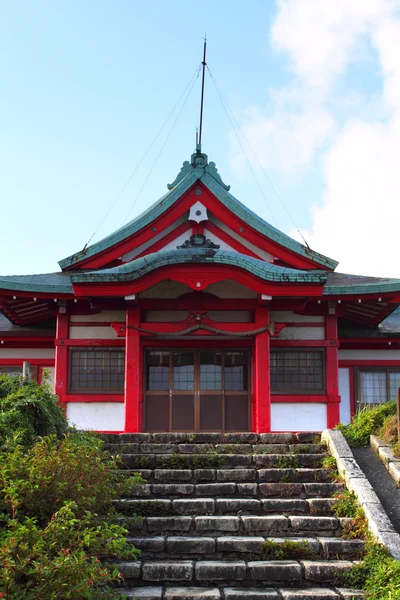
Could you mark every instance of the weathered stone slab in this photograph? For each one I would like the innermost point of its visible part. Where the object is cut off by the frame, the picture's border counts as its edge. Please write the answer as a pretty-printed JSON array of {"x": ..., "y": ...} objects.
[
  {"x": 233, "y": 505},
  {"x": 313, "y": 523},
  {"x": 220, "y": 523},
  {"x": 378, "y": 521},
  {"x": 157, "y": 448},
  {"x": 173, "y": 489},
  {"x": 141, "y": 593},
  {"x": 168, "y": 475},
  {"x": 168, "y": 570},
  {"x": 277, "y": 475},
  {"x": 392, "y": 541},
  {"x": 247, "y": 489},
  {"x": 171, "y": 438},
  {"x": 333, "y": 547},
  {"x": 190, "y": 545},
  {"x": 347, "y": 594},
  {"x": 322, "y": 490},
  {"x": 271, "y": 448},
  {"x": 320, "y": 506},
  {"x": 240, "y": 544},
  {"x": 394, "y": 470},
  {"x": 193, "y": 506},
  {"x": 155, "y": 524},
  {"x": 325, "y": 571},
  {"x": 130, "y": 570},
  {"x": 274, "y": 570},
  {"x": 336, "y": 443},
  {"x": 215, "y": 570},
  {"x": 149, "y": 544},
  {"x": 311, "y": 593},
  {"x": 386, "y": 455},
  {"x": 215, "y": 489},
  {"x": 251, "y": 594},
  {"x": 192, "y": 593},
  {"x": 284, "y": 505},
  {"x": 265, "y": 524},
  {"x": 205, "y": 474},
  {"x": 240, "y": 475},
  {"x": 280, "y": 490},
  {"x": 277, "y": 438}
]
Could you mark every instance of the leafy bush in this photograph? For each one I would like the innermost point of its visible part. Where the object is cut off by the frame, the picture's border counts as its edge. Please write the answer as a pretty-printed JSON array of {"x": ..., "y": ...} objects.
[
  {"x": 60, "y": 561},
  {"x": 38, "y": 483},
  {"x": 378, "y": 574},
  {"x": 29, "y": 409},
  {"x": 388, "y": 431},
  {"x": 58, "y": 530},
  {"x": 366, "y": 422}
]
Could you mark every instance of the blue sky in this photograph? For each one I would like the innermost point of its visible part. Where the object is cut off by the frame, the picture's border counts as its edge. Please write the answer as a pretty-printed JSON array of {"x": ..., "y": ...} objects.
[{"x": 86, "y": 86}]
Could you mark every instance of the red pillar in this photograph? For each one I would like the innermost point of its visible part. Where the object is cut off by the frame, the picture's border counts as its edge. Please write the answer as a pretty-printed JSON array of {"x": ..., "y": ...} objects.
[
  {"x": 61, "y": 362},
  {"x": 332, "y": 371},
  {"x": 262, "y": 421},
  {"x": 133, "y": 392}
]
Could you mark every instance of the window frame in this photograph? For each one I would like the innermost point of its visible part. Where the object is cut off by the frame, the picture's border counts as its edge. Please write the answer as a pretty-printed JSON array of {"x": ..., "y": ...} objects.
[
  {"x": 85, "y": 390},
  {"x": 302, "y": 391},
  {"x": 374, "y": 369}
]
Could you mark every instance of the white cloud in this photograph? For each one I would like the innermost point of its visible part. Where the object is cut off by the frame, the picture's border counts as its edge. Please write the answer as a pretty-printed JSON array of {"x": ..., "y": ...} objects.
[{"x": 357, "y": 221}]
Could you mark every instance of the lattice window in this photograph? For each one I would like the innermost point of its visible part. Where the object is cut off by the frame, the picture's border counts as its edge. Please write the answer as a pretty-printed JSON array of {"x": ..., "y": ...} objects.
[
  {"x": 297, "y": 371},
  {"x": 376, "y": 386},
  {"x": 96, "y": 369}
]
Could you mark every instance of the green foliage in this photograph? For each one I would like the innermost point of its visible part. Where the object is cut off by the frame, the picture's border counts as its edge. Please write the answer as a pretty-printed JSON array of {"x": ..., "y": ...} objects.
[
  {"x": 345, "y": 505},
  {"x": 61, "y": 561},
  {"x": 366, "y": 422},
  {"x": 287, "y": 549},
  {"x": 37, "y": 483},
  {"x": 29, "y": 410},
  {"x": 378, "y": 574},
  {"x": 357, "y": 528},
  {"x": 388, "y": 431},
  {"x": 58, "y": 529},
  {"x": 289, "y": 461},
  {"x": 329, "y": 462}
]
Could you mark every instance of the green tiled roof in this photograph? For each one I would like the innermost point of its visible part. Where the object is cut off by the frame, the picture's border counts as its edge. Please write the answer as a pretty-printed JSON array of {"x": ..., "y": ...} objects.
[
  {"x": 57, "y": 283},
  {"x": 198, "y": 169},
  {"x": 141, "y": 266},
  {"x": 341, "y": 284}
]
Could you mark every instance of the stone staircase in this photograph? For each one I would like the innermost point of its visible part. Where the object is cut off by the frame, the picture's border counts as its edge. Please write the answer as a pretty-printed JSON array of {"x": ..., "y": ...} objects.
[{"x": 233, "y": 516}]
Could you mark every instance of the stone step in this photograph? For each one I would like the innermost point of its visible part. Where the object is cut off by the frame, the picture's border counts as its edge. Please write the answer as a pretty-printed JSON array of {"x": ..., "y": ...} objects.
[
  {"x": 237, "y": 593},
  {"x": 203, "y": 572},
  {"x": 212, "y": 438},
  {"x": 238, "y": 475},
  {"x": 233, "y": 490},
  {"x": 278, "y": 524},
  {"x": 171, "y": 448},
  {"x": 217, "y": 525},
  {"x": 254, "y": 544},
  {"x": 215, "y": 460}
]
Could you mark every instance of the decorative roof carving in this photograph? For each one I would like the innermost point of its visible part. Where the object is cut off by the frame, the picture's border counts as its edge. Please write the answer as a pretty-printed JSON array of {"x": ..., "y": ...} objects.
[
  {"x": 199, "y": 162},
  {"x": 198, "y": 240}
]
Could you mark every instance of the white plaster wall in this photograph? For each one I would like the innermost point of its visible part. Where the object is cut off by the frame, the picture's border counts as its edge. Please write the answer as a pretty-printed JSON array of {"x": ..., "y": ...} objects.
[
  {"x": 287, "y": 316},
  {"x": 97, "y": 416},
  {"x": 230, "y": 289},
  {"x": 369, "y": 354},
  {"x": 105, "y": 315},
  {"x": 344, "y": 392},
  {"x": 92, "y": 333},
  {"x": 266, "y": 256},
  {"x": 52, "y": 377},
  {"x": 166, "y": 289},
  {"x": 302, "y": 333},
  {"x": 27, "y": 352},
  {"x": 157, "y": 236},
  {"x": 231, "y": 316},
  {"x": 298, "y": 416}
]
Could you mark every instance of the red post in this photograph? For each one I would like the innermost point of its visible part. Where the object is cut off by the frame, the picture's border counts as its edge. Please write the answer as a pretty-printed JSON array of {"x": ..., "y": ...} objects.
[
  {"x": 262, "y": 422},
  {"x": 332, "y": 371},
  {"x": 61, "y": 362},
  {"x": 132, "y": 371}
]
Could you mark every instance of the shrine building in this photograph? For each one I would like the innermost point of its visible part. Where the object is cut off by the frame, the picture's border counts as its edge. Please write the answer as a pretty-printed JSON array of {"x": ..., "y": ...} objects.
[{"x": 200, "y": 316}]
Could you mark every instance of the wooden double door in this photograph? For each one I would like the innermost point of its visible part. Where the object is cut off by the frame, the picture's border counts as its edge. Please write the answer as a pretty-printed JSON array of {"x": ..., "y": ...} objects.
[{"x": 196, "y": 390}]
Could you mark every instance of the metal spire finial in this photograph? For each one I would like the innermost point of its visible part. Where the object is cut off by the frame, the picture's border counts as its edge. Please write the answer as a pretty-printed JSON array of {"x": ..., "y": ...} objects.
[{"x": 202, "y": 94}]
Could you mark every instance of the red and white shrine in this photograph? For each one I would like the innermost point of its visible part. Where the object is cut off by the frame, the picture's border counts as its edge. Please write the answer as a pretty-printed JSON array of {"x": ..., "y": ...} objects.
[{"x": 200, "y": 316}]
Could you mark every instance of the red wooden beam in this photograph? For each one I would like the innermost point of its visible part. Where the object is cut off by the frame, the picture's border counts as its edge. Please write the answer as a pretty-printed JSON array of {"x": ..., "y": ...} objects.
[
  {"x": 262, "y": 375},
  {"x": 61, "y": 360},
  {"x": 133, "y": 371}
]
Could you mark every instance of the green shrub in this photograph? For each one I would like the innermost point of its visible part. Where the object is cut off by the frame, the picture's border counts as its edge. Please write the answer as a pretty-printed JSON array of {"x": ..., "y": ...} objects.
[
  {"x": 378, "y": 574},
  {"x": 388, "y": 431},
  {"x": 345, "y": 505},
  {"x": 29, "y": 410},
  {"x": 61, "y": 561},
  {"x": 37, "y": 482},
  {"x": 366, "y": 422}
]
